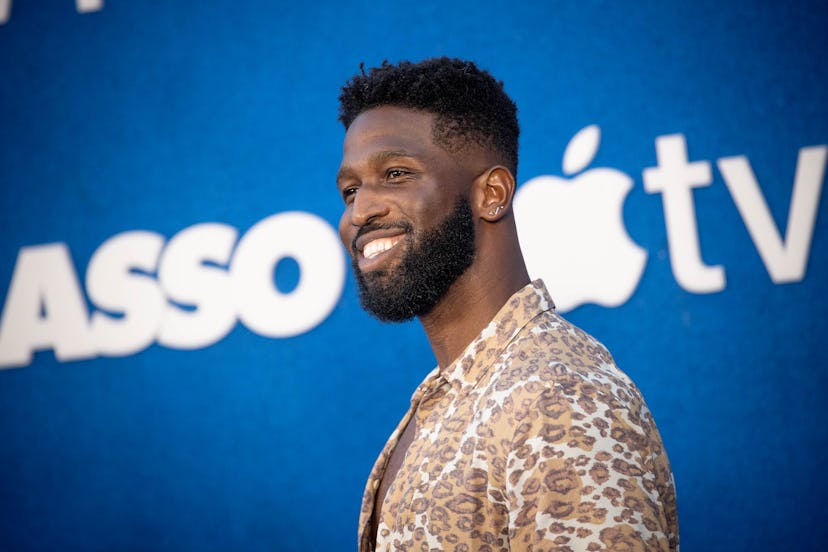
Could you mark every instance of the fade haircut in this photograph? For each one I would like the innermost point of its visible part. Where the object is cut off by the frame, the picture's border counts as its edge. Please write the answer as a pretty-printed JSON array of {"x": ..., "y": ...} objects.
[{"x": 469, "y": 104}]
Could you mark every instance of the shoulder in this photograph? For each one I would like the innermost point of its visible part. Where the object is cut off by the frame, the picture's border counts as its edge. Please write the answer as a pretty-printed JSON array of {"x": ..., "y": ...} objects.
[
  {"x": 554, "y": 379},
  {"x": 555, "y": 353}
]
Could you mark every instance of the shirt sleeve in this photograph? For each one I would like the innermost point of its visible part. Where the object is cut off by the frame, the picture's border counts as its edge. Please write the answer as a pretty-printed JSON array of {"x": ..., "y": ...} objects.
[{"x": 583, "y": 472}]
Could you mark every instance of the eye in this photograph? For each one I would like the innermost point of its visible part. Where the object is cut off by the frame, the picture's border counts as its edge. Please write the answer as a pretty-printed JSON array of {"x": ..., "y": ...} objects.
[
  {"x": 348, "y": 193},
  {"x": 393, "y": 174}
]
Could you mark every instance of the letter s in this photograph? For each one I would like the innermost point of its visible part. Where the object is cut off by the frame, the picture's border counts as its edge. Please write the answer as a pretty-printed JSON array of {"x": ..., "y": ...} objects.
[
  {"x": 186, "y": 279},
  {"x": 115, "y": 284}
]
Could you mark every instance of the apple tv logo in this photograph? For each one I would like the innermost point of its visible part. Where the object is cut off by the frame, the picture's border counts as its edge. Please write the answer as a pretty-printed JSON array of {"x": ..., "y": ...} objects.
[
  {"x": 572, "y": 233},
  {"x": 584, "y": 253}
]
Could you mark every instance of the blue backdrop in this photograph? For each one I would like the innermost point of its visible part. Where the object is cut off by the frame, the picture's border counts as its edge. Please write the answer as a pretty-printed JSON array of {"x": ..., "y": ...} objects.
[{"x": 125, "y": 127}]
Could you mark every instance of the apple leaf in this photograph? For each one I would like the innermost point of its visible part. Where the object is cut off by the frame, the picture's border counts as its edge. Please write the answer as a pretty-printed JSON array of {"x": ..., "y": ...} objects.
[{"x": 581, "y": 149}]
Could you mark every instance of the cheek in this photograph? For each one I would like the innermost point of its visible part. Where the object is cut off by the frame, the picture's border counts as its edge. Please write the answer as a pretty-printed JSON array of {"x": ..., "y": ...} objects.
[{"x": 346, "y": 231}]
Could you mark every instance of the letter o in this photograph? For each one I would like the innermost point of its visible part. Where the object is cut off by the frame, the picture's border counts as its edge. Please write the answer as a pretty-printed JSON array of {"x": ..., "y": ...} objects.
[{"x": 314, "y": 245}]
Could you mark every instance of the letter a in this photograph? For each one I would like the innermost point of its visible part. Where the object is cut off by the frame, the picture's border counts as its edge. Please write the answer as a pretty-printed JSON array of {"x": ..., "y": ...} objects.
[{"x": 44, "y": 308}]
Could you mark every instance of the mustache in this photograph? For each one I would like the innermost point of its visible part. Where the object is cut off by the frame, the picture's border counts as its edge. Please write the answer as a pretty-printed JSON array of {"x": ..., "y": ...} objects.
[{"x": 404, "y": 226}]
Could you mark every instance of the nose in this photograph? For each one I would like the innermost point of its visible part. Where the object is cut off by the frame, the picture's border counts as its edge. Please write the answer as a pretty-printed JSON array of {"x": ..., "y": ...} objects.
[{"x": 367, "y": 206}]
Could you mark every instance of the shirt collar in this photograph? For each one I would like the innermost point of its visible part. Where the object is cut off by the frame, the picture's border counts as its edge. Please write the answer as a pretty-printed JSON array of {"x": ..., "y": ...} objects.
[{"x": 523, "y": 306}]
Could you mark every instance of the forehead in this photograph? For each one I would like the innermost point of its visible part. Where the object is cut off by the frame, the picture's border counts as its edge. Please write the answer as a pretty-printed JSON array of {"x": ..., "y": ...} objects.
[{"x": 389, "y": 128}]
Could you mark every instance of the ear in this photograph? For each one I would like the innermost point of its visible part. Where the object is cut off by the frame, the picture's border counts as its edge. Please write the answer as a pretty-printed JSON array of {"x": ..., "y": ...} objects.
[{"x": 493, "y": 192}]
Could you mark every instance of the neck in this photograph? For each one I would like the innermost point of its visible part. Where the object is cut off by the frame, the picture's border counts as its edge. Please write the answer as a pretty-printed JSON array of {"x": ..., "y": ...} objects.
[{"x": 471, "y": 303}]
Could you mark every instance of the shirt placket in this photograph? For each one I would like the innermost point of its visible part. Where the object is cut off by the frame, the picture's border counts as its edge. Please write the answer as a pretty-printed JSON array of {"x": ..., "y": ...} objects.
[{"x": 431, "y": 404}]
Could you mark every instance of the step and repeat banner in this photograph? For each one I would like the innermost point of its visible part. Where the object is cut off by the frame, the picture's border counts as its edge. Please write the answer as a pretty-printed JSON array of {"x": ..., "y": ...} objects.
[{"x": 184, "y": 364}]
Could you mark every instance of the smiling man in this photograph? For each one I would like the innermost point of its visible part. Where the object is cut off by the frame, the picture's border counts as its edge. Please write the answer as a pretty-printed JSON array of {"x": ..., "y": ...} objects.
[{"x": 526, "y": 436}]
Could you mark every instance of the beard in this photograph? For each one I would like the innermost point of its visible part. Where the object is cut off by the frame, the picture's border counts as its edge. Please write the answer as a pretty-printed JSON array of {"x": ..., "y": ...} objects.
[{"x": 431, "y": 263}]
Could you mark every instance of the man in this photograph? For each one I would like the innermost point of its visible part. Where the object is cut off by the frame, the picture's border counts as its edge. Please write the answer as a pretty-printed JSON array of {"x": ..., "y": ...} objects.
[{"x": 526, "y": 436}]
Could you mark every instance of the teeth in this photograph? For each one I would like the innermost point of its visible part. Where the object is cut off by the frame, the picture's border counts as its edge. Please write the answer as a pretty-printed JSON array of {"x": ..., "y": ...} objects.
[{"x": 374, "y": 248}]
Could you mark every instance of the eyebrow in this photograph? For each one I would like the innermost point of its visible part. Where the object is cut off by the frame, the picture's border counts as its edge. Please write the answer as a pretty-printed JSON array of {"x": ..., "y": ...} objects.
[{"x": 376, "y": 157}]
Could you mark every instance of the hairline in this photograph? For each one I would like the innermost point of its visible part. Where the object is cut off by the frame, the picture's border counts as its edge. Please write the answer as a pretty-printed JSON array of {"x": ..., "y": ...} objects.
[{"x": 451, "y": 142}]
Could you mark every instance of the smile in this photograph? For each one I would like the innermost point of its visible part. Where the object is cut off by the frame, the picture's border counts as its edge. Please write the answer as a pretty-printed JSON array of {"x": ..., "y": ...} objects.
[
  {"x": 372, "y": 254},
  {"x": 380, "y": 245}
]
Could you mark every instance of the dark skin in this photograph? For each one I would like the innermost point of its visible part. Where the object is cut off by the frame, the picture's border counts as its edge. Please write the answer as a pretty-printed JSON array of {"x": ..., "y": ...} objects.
[{"x": 393, "y": 170}]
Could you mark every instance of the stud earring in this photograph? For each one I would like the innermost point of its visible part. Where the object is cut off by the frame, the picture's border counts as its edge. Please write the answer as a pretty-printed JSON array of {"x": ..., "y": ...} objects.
[{"x": 496, "y": 211}]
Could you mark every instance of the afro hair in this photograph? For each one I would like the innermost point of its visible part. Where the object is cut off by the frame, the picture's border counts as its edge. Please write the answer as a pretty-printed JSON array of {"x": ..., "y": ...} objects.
[{"x": 469, "y": 104}]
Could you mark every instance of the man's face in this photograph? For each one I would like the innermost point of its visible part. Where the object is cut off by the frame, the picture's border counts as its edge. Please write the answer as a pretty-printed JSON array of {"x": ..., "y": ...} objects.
[{"x": 407, "y": 222}]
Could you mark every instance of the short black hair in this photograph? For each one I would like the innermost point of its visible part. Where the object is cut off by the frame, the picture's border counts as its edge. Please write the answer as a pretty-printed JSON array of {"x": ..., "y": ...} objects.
[{"x": 470, "y": 104}]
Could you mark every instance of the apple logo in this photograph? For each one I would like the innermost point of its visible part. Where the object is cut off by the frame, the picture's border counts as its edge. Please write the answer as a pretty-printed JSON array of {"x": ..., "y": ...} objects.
[{"x": 572, "y": 231}]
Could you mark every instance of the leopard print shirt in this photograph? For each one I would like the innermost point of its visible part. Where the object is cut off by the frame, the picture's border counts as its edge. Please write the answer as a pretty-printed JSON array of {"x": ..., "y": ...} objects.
[{"x": 532, "y": 439}]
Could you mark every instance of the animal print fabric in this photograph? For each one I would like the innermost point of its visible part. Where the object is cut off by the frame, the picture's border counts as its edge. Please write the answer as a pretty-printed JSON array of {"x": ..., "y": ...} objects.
[{"x": 532, "y": 439}]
